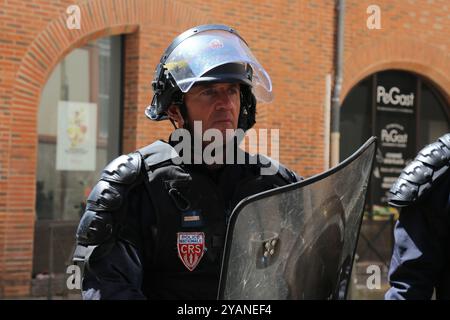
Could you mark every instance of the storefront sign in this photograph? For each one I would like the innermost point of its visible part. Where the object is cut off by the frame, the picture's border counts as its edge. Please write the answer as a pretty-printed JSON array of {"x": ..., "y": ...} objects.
[{"x": 395, "y": 128}]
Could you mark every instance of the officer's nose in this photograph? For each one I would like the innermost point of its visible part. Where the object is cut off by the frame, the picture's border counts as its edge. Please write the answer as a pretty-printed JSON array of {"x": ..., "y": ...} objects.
[{"x": 224, "y": 100}]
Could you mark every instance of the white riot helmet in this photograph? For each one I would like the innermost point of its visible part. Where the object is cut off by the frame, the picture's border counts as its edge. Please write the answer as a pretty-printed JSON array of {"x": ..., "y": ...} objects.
[{"x": 209, "y": 53}]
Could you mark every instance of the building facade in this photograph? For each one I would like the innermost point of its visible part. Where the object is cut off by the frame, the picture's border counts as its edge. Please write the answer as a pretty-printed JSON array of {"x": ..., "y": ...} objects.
[{"x": 58, "y": 80}]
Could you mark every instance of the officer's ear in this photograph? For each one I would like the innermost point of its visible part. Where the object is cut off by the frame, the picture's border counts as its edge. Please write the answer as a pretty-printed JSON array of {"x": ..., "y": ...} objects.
[{"x": 175, "y": 115}]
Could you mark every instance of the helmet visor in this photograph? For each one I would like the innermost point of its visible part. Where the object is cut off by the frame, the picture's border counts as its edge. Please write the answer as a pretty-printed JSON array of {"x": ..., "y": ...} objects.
[{"x": 200, "y": 53}]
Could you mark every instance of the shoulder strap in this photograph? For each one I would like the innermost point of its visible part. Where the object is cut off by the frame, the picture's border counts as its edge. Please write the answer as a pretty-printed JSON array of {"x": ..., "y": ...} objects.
[
  {"x": 156, "y": 153},
  {"x": 270, "y": 166}
]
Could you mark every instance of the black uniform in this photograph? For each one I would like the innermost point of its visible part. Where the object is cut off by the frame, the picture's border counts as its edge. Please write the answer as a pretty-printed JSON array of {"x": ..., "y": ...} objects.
[
  {"x": 140, "y": 205},
  {"x": 421, "y": 259}
]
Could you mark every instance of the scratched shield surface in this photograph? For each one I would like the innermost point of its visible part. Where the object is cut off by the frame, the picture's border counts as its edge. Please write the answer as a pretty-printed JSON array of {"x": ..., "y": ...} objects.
[{"x": 298, "y": 241}]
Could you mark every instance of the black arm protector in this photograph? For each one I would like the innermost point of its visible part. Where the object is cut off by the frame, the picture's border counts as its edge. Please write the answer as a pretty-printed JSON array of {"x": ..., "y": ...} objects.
[
  {"x": 421, "y": 174},
  {"x": 104, "y": 204},
  {"x": 104, "y": 216}
]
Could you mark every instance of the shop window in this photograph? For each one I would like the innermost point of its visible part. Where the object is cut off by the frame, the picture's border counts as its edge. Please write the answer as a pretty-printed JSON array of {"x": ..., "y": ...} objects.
[{"x": 78, "y": 134}]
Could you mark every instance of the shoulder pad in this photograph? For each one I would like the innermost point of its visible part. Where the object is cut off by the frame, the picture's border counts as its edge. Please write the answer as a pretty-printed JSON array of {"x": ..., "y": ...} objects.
[
  {"x": 445, "y": 139},
  {"x": 286, "y": 174},
  {"x": 419, "y": 176},
  {"x": 289, "y": 175},
  {"x": 106, "y": 198},
  {"x": 94, "y": 228},
  {"x": 117, "y": 177},
  {"x": 124, "y": 169},
  {"x": 156, "y": 153}
]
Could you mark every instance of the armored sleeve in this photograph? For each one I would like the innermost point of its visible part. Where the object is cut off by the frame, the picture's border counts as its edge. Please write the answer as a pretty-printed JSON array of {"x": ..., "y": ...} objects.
[
  {"x": 419, "y": 177},
  {"x": 107, "y": 249},
  {"x": 421, "y": 246}
]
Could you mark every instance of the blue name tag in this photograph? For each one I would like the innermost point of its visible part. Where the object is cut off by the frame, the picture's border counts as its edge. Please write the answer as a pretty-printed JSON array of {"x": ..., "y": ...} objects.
[{"x": 191, "y": 219}]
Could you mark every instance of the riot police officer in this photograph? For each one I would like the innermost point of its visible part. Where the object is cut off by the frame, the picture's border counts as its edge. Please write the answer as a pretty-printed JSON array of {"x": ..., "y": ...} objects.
[
  {"x": 420, "y": 262},
  {"x": 154, "y": 225}
]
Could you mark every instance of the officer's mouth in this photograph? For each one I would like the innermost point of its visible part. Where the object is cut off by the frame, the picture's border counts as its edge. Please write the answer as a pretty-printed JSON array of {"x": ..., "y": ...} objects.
[
  {"x": 223, "y": 125},
  {"x": 223, "y": 120}
]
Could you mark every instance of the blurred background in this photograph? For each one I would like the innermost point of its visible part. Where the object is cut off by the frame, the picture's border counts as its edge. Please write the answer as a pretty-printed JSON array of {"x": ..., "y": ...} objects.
[{"x": 74, "y": 82}]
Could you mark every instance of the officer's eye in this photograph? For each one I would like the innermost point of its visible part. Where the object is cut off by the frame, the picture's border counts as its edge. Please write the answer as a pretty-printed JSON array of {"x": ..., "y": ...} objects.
[
  {"x": 208, "y": 92},
  {"x": 233, "y": 90}
]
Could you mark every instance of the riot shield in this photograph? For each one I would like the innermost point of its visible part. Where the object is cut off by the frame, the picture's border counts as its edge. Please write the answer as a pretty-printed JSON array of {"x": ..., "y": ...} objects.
[{"x": 298, "y": 241}]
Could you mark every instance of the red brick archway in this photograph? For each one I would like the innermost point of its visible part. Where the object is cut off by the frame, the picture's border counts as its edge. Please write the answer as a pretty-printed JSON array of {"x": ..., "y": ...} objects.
[
  {"x": 402, "y": 53},
  {"x": 99, "y": 18}
]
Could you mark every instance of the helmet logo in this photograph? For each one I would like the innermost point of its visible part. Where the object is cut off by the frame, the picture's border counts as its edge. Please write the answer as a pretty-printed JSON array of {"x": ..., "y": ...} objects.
[{"x": 215, "y": 44}]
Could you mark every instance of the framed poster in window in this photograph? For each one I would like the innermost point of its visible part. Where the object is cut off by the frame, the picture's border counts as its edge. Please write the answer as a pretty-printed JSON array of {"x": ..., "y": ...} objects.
[{"x": 76, "y": 136}]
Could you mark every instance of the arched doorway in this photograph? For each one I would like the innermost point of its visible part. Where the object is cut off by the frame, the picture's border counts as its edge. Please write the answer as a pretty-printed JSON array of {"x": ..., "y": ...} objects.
[
  {"x": 406, "y": 112},
  {"x": 79, "y": 130}
]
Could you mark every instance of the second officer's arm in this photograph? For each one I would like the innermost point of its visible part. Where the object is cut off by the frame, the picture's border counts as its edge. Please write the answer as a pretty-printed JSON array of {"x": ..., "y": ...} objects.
[
  {"x": 422, "y": 232},
  {"x": 421, "y": 246},
  {"x": 418, "y": 257}
]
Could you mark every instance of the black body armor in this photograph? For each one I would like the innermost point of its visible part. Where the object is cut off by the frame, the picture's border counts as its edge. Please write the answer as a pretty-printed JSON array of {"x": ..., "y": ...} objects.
[
  {"x": 143, "y": 201},
  {"x": 418, "y": 178}
]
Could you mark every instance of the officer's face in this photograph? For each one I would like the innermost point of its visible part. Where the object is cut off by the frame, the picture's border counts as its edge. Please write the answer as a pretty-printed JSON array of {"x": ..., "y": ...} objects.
[{"x": 215, "y": 105}]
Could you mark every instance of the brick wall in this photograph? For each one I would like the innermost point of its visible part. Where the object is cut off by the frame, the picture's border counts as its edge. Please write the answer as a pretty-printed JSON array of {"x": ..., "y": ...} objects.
[
  {"x": 414, "y": 37},
  {"x": 293, "y": 40}
]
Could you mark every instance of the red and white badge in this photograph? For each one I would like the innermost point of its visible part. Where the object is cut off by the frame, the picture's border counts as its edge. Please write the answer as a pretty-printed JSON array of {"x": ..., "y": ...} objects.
[{"x": 191, "y": 246}]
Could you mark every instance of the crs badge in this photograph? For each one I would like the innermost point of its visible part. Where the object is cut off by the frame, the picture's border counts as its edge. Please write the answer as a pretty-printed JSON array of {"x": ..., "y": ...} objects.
[{"x": 191, "y": 247}]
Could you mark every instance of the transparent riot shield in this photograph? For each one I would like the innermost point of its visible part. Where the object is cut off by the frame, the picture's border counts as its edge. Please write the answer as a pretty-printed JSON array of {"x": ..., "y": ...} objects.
[{"x": 298, "y": 241}]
